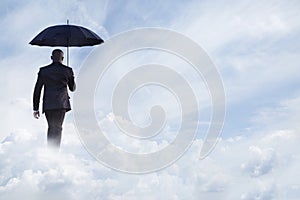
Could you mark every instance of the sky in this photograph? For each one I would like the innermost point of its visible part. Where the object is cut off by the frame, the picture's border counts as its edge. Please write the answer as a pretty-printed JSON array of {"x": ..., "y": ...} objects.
[{"x": 254, "y": 45}]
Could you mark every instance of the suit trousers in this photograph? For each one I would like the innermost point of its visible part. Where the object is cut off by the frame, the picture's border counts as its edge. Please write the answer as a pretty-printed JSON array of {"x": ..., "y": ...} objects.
[{"x": 55, "y": 120}]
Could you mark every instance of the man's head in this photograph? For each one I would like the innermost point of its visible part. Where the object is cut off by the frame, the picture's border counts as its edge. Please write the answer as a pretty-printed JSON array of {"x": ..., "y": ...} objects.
[{"x": 57, "y": 55}]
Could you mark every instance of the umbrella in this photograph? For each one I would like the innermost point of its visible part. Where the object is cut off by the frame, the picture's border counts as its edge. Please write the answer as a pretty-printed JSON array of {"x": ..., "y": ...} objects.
[{"x": 66, "y": 36}]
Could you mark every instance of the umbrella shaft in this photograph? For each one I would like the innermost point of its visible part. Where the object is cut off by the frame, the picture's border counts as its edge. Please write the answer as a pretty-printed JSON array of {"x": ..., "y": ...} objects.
[{"x": 68, "y": 56}]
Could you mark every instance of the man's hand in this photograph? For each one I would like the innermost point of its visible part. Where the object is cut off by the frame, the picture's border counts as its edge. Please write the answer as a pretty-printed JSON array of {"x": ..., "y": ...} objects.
[{"x": 36, "y": 114}]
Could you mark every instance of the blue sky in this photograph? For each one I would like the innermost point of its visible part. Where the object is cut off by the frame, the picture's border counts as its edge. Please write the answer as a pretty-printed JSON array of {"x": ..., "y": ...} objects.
[{"x": 255, "y": 46}]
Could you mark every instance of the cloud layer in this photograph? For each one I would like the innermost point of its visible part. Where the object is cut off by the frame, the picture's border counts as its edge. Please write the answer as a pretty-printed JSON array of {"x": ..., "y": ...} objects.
[{"x": 263, "y": 166}]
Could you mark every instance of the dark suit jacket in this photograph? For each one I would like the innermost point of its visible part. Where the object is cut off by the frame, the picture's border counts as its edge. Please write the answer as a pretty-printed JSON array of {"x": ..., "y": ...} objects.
[{"x": 56, "y": 78}]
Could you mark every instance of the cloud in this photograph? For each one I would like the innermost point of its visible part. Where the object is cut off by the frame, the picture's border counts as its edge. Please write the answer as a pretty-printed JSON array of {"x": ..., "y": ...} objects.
[
  {"x": 252, "y": 44},
  {"x": 30, "y": 170},
  {"x": 284, "y": 114},
  {"x": 216, "y": 25},
  {"x": 261, "y": 161}
]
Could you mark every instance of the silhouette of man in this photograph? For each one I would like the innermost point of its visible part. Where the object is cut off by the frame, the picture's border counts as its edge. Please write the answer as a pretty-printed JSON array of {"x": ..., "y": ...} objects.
[{"x": 55, "y": 78}]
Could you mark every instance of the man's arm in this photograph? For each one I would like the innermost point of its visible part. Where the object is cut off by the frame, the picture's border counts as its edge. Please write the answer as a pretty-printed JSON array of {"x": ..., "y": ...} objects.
[
  {"x": 36, "y": 96},
  {"x": 71, "y": 82}
]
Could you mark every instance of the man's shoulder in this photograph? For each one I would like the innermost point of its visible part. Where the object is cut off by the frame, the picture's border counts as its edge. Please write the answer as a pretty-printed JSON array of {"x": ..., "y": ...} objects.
[
  {"x": 44, "y": 68},
  {"x": 65, "y": 66},
  {"x": 53, "y": 65}
]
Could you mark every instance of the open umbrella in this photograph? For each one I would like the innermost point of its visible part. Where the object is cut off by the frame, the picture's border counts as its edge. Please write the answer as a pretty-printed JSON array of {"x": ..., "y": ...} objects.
[{"x": 66, "y": 36}]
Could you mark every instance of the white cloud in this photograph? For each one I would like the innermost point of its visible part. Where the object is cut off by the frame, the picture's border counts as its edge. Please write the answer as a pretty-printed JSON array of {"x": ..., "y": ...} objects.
[
  {"x": 214, "y": 25},
  {"x": 285, "y": 115},
  {"x": 251, "y": 42},
  {"x": 261, "y": 166},
  {"x": 261, "y": 161},
  {"x": 253, "y": 167}
]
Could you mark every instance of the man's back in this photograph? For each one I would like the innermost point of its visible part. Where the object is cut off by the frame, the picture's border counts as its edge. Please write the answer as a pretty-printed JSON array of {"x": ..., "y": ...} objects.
[{"x": 56, "y": 78}]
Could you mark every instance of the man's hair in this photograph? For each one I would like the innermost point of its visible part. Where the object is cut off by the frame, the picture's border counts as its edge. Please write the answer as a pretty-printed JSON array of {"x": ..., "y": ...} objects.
[{"x": 57, "y": 51}]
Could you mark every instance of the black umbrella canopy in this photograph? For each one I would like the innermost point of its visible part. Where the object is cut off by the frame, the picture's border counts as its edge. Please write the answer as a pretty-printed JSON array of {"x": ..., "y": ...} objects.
[{"x": 66, "y": 36}]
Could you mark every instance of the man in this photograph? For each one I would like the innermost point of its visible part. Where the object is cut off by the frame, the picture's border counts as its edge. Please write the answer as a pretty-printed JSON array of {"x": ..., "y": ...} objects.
[{"x": 55, "y": 78}]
